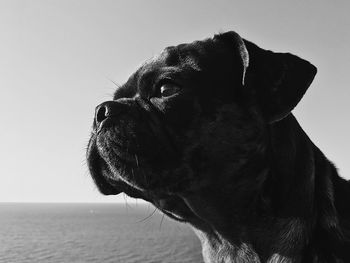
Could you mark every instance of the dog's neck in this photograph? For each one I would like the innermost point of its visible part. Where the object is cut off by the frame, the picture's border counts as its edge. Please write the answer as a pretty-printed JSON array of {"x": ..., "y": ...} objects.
[
  {"x": 256, "y": 223},
  {"x": 219, "y": 248}
]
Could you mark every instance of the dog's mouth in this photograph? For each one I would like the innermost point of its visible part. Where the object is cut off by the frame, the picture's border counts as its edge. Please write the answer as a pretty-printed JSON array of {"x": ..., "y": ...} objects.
[
  {"x": 135, "y": 178},
  {"x": 130, "y": 151},
  {"x": 133, "y": 154}
]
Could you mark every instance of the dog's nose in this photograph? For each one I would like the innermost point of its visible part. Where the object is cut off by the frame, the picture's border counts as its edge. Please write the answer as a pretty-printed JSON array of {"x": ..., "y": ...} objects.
[
  {"x": 102, "y": 111},
  {"x": 107, "y": 109}
]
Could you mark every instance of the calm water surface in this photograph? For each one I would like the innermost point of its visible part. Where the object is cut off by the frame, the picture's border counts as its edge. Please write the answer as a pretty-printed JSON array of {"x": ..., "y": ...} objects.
[{"x": 93, "y": 233}]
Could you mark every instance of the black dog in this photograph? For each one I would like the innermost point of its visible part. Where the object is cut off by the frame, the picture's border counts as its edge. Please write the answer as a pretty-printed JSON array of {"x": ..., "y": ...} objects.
[{"x": 204, "y": 131}]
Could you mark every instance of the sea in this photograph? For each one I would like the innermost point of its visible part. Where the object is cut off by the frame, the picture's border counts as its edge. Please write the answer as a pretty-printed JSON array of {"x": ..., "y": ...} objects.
[{"x": 101, "y": 233}]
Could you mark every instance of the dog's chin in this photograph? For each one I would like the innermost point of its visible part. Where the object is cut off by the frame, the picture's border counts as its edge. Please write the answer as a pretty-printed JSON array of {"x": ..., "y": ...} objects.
[
  {"x": 141, "y": 167},
  {"x": 114, "y": 165}
]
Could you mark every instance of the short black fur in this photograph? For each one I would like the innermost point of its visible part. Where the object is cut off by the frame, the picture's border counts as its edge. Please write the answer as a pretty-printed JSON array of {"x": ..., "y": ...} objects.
[{"x": 224, "y": 153}]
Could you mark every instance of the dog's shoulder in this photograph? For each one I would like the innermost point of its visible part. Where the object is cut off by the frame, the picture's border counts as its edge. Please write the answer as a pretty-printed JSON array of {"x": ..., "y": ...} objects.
[
  {"x": 309, "y": 176},
  {"x": 331, "y": 237}
]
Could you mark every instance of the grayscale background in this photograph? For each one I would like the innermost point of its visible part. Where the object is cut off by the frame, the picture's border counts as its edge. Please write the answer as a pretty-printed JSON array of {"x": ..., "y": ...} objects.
[{"x": 58, "y": 59}]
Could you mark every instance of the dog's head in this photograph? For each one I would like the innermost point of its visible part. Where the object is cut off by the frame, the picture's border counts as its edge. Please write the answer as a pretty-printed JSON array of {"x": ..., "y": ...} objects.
[{"x": 193, "y": 121}]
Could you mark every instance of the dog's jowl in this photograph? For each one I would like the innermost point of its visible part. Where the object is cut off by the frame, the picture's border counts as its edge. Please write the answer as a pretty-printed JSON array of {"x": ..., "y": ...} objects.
[{"x": 204, "y": 131}]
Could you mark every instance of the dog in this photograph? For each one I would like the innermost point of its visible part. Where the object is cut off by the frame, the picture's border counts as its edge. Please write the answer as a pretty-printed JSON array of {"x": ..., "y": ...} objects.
[{"x": 204, "y": 132}]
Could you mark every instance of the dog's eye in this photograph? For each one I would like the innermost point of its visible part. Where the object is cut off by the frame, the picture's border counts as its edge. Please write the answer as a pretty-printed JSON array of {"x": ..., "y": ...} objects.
[{"x": 168, "y": 89}]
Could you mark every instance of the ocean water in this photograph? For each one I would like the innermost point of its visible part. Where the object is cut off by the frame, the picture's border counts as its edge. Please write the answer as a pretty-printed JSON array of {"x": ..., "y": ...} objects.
[{"x": 93, "y": 233}]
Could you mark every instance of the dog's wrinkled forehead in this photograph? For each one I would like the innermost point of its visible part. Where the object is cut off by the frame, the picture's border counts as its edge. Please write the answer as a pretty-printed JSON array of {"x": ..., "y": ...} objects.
[
  {"x": 171, "y": 62},
  {"x": 187, "y": 55},
  {"x": 185, "y": 62},
  {"x": 183, "y": 55}
]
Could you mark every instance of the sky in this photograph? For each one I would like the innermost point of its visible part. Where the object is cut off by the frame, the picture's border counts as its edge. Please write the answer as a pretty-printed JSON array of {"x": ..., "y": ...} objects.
[{"x": 58, "y": 59}]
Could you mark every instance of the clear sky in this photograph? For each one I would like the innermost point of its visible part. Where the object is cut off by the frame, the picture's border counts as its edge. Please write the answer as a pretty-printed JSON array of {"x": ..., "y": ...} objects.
[{"x": 57, "y": 58}]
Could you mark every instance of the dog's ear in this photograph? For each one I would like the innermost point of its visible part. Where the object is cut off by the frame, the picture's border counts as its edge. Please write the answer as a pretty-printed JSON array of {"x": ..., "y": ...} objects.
[{"x": 276, "y": 81}]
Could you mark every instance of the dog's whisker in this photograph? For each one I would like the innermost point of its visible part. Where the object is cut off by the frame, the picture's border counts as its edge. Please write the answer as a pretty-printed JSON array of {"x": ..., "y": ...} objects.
[
  {"x": 115, "y": 83},
  {"x": 149, "y": 216},
  {"x": 137, "y": 160},
  {"x": 161, "y": 221},
  {"x": 126, "y": 202},
  {"x": 133, "y": 174}
]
